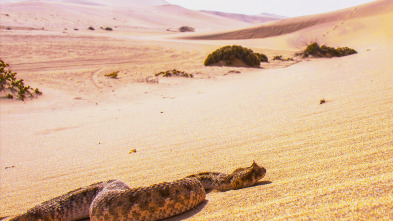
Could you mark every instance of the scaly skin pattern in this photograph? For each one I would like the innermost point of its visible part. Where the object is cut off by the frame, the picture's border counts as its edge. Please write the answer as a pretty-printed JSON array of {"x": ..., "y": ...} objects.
[
  {"x": 239, "y": 178},
  {"x": 73, "y": 205},
  {"x": 147, "y": 203},
  {"x": 114, "y": 200}
]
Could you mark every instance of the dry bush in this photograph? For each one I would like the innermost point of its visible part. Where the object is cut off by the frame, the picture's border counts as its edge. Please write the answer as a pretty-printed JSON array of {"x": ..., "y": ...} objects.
[
  {"x": 113, "y": 74},
  {"x": 279, "y": 58},
  {"x": 174, "y": 72},
  {"x": 229, "y": 54},
  {"x": 315, "y": 50},
  {"x": 10, "y": 84}
]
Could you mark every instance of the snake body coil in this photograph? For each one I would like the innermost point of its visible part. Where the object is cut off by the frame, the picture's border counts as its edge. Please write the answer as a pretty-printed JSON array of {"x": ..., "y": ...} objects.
[{"x": 114, "y": 200}]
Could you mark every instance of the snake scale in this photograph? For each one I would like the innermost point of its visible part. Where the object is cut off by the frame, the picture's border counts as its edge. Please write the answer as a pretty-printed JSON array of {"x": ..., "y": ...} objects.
[{"x": 114, "y": 200}]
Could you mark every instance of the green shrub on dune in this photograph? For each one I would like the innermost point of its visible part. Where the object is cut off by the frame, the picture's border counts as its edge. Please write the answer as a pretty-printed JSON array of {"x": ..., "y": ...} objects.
[
  {"x": 280, "y": 58},
  {"x": 344, "y": 51},
  {"x": 229, "y": 55},
  {"x": 324, "y": 51},
  {"x": 277, "y": 57},
  {"x": 262, "y": 57}
]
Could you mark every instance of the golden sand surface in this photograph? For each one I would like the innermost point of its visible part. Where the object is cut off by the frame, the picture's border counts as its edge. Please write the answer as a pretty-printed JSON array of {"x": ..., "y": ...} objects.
[{"x": 324, "y": 161}]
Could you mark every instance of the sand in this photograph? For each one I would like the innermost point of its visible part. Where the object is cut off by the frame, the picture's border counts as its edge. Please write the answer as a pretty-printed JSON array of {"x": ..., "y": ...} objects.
[
  {"x": 137, "y": 17},
  {"x": 329, "y": 161}
]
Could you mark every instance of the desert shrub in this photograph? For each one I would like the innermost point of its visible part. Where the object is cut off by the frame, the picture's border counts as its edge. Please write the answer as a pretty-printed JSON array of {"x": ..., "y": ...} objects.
[
  {"x": 108, "y": 29},
  {"x": 91, "y": 28},
  {"x": 228, "y": 54},
  {"x": 345, "y": 51},
  {"x": 315, "y": 50},
  {"x": 311, "y": 49},
  {"x": 186, "y": 29},
  {"x": 262, "y": 57},
  {"x": 174, "y": 72},
  {"x": 279, "y": 58},
  {"x": 10, "y": 84},
  {"x": 113, "y": 74}
]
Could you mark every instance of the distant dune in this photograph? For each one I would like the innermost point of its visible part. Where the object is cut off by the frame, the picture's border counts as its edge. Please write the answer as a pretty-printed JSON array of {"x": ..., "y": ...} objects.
[
  {"x": 100, "y": 2},
  {"x": 254, "y": 19},
  {"x": 286, "y": 26},
  {"x": 154, "y": 14}
]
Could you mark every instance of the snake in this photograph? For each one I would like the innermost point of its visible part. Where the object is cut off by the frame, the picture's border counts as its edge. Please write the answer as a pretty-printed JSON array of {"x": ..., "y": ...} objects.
[{"x": 115, "y": 200}]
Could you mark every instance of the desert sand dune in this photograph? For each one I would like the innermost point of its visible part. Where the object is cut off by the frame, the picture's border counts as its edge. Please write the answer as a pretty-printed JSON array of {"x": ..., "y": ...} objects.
[
  {"x": 324, "y": 161},
  {"x": 69, "y": 16},
  {"x": 254, "y": 19},
  {"x": 292, "y": 25}
]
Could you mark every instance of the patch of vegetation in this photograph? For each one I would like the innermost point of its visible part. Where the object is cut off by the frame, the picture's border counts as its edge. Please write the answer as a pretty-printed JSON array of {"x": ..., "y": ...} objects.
[
  {"x": 8, "y": 82},
  {"x": 108, "y": 29},
  {"x": 324, "y": 51},
  {"x": 262, "y": 57},
  {"x": 113, "y": 74},
  {"x": 229, "y": 54},
  {"x": 174, "y": 72},
  {"x": 91, "y": 28},
  {"x": 322, "y": 101},
  {"x": 279, "y": 58},
  {"x": 186, "y": 29}
]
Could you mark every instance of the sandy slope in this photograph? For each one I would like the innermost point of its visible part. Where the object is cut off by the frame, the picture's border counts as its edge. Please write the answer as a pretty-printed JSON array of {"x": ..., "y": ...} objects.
[
  {"x": 254, "y": 19},
  {"x": 330, "y": 161},
  {"x": 291, "y": 25}
]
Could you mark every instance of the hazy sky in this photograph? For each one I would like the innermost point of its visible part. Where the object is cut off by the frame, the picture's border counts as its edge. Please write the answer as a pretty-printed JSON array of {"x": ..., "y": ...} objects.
[{"x": 289, "y": 8}]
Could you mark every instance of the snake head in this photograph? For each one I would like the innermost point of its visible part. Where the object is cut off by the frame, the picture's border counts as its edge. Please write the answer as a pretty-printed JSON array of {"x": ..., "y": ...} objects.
[
  {"x": 246, "y": 177},
  {"x": 257, "y": 171}
]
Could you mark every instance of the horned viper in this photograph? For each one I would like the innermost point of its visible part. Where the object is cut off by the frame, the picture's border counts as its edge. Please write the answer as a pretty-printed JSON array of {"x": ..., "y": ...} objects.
[{"x": 114, "y": 200}]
